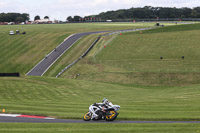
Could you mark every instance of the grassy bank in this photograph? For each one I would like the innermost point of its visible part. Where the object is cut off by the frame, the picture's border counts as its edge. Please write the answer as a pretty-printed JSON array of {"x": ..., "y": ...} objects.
[
  {"x": 99, "y": 128},
  {"x": 63, "y": 98},
  {"x": 128, "y": 71},
  {"x": 19, "y": 53},
  {"x": 134, "y": 58},
  {"x": 72, "y": 54}
]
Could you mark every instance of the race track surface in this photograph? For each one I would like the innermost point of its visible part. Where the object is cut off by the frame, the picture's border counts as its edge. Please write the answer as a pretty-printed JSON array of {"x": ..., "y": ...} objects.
[
  {"x": 47, "y": 62},
  {"x": 37, "y": 120},
  {"x": 51, "y": 58}
]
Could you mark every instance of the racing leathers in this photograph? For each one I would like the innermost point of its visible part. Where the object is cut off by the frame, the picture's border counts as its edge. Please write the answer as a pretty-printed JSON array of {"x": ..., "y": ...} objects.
[{"x": 98, "y": 106}]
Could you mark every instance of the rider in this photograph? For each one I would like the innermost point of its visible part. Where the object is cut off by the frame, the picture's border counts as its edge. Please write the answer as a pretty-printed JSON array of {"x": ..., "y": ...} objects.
[{"x": 99, "y": 106}]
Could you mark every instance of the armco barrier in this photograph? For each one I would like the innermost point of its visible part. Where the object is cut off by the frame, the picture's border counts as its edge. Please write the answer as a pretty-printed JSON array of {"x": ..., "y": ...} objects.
[
  {"x": 82, "y": 56},
  {"x": 88, "y": 50},
  {"x": 9, "y": 74}
]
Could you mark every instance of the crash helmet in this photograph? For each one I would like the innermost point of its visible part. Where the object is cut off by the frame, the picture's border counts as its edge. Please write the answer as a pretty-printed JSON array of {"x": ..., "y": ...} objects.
[{"x": 105, "y": 101}]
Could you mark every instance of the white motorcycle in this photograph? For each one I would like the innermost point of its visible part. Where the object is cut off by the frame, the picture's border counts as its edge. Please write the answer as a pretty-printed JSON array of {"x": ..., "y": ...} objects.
[{"x": 108, "y": 114}]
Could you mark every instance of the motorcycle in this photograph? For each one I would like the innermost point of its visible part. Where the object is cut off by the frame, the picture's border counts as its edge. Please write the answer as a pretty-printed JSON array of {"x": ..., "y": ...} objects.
[{"x": 108, "y": 114}]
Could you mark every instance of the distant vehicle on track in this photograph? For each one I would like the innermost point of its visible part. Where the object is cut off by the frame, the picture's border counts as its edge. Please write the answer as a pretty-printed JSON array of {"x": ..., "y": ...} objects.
[{"x": 108, "y": 20}]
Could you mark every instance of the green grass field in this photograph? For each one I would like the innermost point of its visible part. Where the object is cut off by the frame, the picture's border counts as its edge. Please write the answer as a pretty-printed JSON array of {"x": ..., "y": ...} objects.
[
  {"x": 134, "y": 58},
  {"x": 100, "y": 128},
  {"x": 20, "y": 53},
  {"x": 128, "y": 71},
  {"x": 66, "y": 98}
]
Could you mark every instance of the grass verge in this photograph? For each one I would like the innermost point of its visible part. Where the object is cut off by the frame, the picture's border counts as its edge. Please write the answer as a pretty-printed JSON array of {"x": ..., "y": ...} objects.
[
  {"x": 99, "y": 128},
  {"x": 66, "y": 98}
]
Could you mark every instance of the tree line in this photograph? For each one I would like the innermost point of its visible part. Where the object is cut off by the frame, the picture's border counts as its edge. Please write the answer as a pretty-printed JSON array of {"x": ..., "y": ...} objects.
[
  {"x": 14, "y": 17},
  {"x": 149, "y": 12}
]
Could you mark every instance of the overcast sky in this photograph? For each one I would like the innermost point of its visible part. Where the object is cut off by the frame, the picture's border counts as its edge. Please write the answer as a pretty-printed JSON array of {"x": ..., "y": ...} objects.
[{"x": 61, "y": 9}]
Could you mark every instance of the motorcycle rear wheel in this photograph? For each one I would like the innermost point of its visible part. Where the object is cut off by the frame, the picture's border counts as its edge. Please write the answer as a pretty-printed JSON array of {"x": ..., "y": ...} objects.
[
  {"x": 112, "y": 116},
  {"x": 87, "y": 116}
]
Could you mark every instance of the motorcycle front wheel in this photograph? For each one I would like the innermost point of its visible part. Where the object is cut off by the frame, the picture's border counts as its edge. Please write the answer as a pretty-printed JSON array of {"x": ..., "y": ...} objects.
[
  {"x": 112, "y": 116},
  {"x": 87, "y": 116}
]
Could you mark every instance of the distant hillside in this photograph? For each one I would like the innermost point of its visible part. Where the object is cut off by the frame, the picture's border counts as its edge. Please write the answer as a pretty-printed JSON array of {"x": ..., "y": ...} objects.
[
  {"x": 134, "y": 58},
  {"x": 149, "y": 12}
]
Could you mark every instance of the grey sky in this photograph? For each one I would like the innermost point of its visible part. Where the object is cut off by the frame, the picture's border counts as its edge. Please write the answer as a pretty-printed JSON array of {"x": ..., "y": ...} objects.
[{"x": 61, "y": 9}]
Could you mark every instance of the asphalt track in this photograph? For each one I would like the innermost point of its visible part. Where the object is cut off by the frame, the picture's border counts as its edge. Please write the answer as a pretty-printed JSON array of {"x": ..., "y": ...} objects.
[
  {"x": 47, "y": 62},
  {"x": 51, "y": 58},
  {"x": 37, "y": 120}
]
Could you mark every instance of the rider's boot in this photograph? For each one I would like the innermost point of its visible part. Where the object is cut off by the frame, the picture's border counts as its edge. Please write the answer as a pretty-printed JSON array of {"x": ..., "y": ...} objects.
[{"x": 94, "y": 117}]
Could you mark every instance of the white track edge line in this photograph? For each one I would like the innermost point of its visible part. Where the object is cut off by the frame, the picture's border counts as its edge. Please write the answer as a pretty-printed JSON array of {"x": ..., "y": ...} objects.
[
  {"x": 17, "y": 115},
  {"x": 65, "y": 51},
  {"x": 60, "y": 56},
  {"x": 49, "y": 54},
  {"x": 48, "y": 118},
  {"x": 10, "y": 115}
]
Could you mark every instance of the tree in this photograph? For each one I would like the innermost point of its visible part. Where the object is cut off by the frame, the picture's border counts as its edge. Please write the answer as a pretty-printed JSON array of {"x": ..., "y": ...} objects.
[
  {"x": 37, "y": 17},
  {"x": 70, "y": 19},
  {"x": 149, "y": 12},
  {"x": 187, "y": 12},
  {"x": 13, "y": 17},
  {"x": 197, "y": 9},
  {"x": 25, "y": 16},
  {"x": 77, "y": 18},
  {"x": 46, "y": 17},
  {"x": 194, "y": 14},
  {"x": 19, "y": 19}
]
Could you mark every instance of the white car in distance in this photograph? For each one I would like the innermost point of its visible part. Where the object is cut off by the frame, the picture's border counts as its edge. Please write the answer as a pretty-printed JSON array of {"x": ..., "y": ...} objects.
[{"x": 12, "y": 32}]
